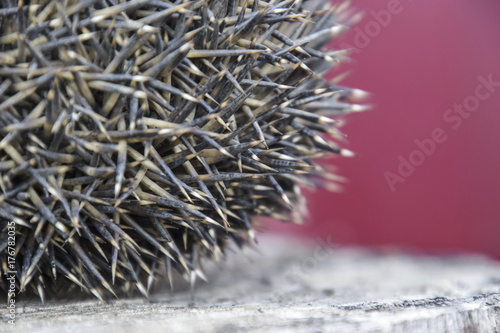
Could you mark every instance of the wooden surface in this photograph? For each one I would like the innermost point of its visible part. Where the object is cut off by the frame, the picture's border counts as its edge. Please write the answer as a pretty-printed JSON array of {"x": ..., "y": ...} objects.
[{"x": 293, "y": 287}]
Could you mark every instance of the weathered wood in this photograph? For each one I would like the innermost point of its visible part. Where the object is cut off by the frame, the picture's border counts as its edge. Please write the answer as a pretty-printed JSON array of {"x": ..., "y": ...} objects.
[{"x": 294, "y": 287}]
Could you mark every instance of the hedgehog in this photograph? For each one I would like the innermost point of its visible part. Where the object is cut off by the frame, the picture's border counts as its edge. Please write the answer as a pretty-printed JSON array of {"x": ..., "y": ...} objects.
[{"x": 139, "y": 137}]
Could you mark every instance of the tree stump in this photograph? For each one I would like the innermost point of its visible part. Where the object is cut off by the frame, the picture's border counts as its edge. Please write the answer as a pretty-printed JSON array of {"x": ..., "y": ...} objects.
[{"x": 286, "y": 285}]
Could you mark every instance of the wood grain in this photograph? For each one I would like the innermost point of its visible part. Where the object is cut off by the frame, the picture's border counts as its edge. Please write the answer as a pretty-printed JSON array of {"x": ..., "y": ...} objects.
[{"x": 289, "y": 286}]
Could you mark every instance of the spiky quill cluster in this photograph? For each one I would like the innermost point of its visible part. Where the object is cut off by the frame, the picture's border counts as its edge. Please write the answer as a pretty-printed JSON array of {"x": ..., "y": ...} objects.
[{"x": 138, "y": 136}]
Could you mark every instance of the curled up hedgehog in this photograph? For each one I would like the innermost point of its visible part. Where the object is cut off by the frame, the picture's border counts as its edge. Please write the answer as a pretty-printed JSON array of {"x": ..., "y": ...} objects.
[{"x": 137, "y": 137}]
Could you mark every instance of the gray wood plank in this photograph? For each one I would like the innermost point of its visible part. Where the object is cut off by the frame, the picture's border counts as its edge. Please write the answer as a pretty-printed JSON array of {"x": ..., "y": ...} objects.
[{"x": 290, "y": 286}]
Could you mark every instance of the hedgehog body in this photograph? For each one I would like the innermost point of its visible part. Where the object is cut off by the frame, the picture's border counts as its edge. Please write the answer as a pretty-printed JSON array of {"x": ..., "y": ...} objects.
[{"x": 137, "y": 137}]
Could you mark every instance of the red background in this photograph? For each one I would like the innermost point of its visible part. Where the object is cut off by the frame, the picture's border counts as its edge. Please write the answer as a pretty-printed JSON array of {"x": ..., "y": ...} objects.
[{"x": 427, "y": 59}]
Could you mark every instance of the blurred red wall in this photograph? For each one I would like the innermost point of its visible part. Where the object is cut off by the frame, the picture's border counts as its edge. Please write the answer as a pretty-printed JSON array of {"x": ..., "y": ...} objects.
[{"x": 418, "y": 66}]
